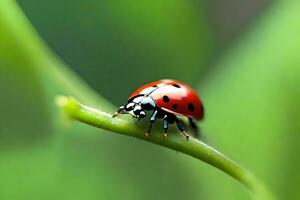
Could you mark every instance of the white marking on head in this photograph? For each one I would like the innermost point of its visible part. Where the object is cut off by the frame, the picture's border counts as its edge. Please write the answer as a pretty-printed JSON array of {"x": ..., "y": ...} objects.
[
  {"x": 137, "y": 107},
  {"x": 142, "y": 114},
  {"x": 130, "y": 106}
]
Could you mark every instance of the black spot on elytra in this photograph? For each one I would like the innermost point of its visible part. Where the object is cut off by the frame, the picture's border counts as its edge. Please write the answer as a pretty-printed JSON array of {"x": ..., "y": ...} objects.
[
  {"x": 166, "y": 99},
  {"x": 154, "y": 86},
  {"x": 174, "y": 106},
  {"x": 191, "y": 107},
  {"x": 176, "y": 85}
]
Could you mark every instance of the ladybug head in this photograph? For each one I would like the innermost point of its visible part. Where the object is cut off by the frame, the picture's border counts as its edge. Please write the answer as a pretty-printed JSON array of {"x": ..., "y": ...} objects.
[
  {"x": 135, "y": 110},
  {"x": 137, "y": 106}
]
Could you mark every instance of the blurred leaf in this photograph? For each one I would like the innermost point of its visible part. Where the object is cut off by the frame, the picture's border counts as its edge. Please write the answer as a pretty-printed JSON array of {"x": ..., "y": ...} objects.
[{"x": 252, "y": 100}]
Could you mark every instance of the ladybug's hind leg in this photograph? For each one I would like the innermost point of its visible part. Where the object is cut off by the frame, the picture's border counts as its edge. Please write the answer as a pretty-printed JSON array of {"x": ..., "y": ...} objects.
[
  {"x": 195, "y": 127},
  {"x": 181, "y": 128},
  {"x": 152, "y": 120},
  {"x": 193, "y": 124}
]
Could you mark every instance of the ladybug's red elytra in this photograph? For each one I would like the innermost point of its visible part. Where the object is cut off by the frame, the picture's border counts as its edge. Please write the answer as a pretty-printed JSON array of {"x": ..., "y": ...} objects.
[{"x": 167, "y": 99}]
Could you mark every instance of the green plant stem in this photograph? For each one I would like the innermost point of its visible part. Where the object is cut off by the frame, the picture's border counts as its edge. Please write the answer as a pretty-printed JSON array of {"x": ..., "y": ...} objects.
[
  {"x": 27, "y": 42},
  {"x": 192, "y": 147}
]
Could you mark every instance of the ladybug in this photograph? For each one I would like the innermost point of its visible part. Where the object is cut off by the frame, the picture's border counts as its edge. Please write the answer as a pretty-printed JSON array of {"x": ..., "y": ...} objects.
[{"x": 167, "y": 99}]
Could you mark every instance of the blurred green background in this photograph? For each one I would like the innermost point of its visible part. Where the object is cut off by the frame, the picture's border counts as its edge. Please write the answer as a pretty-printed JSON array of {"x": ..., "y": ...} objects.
[{"x": 241, "y": 56}]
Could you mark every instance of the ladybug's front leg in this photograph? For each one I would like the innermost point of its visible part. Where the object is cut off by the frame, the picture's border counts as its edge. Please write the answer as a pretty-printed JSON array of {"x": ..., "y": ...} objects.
[
  {"x": 152, "y": 120},
  {"x": 181, "y": 128},
  {"x": 119, "y": 111}
]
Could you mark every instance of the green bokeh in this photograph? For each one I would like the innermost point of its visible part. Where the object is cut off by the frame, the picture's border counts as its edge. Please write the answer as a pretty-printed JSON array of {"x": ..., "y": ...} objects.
[
  {"x": 251, "y": 94},
  {"x": 131, "y": 42}
]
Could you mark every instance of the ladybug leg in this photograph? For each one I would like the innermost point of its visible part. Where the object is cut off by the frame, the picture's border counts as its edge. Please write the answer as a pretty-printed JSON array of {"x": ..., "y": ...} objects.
[
  {"x": 152, "y": 120},
  {"x": 181, "y": 128},
  {"x": 192, "y": 123},
  {"x": 119, "y": 111},
  {"x": 165, "y": 125},
  {"x": 195, "y": 127}
]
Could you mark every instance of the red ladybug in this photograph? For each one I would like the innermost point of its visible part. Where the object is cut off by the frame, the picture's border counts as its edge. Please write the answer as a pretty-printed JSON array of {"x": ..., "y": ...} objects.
[{"x": 167, "y": 99}]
